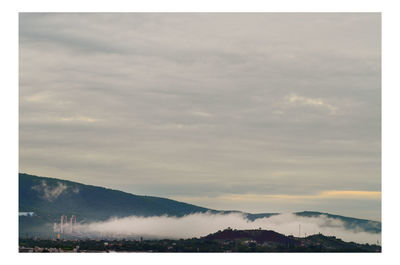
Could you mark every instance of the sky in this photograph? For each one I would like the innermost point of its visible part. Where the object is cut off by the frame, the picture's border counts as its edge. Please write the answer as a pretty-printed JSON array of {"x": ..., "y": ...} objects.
[{"x": 259, "y": 112}]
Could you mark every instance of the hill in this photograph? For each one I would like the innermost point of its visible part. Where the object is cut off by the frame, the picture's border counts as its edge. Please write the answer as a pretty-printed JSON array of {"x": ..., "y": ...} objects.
[
  {"x": 271, "y": 241},
  {"x": 258, "y": 236}
]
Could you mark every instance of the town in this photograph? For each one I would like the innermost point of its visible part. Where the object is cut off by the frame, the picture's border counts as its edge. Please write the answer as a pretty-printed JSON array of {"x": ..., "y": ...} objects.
[{"x": 228, "y": 240}]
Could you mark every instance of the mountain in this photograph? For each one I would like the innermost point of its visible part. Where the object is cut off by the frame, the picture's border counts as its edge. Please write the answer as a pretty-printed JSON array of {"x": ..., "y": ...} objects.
[
  {"x": 56, "y": 197},
  {"x": 49, "y": 198}
]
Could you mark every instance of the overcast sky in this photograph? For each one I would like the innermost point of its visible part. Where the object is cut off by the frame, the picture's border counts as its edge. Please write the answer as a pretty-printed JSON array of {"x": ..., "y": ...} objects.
[{"x": 254, "y": 112}]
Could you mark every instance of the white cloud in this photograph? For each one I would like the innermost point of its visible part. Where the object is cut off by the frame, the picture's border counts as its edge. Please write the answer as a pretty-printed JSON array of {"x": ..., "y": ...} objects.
[
  {"x": 202, "y": 224},
  {"x": 50, "y": 193},
  {"x": 294, "y": 99}
]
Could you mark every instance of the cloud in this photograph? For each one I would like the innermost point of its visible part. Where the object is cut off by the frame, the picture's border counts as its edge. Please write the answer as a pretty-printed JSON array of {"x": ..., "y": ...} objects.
[
  {"x": 294, "y": 99},
  {"x": 202, "y": 104},
  {"x": 28, "y": 214},
  {"x": 202, "y": 224},
  {"x": 50, "y": 193},
  {"x": 79, "y": 119}
]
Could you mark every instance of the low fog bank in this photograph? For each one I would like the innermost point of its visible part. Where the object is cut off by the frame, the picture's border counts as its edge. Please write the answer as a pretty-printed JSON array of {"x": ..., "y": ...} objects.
[{"x": 202, "y": 224}]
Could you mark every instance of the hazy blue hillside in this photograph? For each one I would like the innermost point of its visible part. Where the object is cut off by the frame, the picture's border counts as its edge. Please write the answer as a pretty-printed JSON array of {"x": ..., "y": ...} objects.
[
  {"x": 54, "y": 197},
  {"x": 50, "y": 198}
]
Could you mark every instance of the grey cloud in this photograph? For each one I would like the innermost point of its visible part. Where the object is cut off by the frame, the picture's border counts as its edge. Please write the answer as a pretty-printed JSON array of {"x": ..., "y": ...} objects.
[{"x": 119, "y": 94}]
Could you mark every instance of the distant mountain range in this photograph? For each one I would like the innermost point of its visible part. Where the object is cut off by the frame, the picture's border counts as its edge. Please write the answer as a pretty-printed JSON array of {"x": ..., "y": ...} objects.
[{"x": 43, "y": 200}]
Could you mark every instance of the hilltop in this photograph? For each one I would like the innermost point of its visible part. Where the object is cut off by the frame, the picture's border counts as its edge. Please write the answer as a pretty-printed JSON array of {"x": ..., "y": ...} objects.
[{"x": 271, "y": 241}]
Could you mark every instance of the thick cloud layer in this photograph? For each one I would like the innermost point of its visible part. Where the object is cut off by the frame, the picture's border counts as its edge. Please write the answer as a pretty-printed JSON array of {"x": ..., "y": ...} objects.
[
  {"x": 202, "y": 224},
  {"x": 201, "y": 106}
]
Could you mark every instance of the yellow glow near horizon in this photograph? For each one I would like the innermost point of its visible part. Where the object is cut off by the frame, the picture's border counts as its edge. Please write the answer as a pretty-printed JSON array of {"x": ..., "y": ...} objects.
[
  {"x": 338, "y": 194},
  {"x": 351, "y": 194},
  {"x": 328, "y": 194}
]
